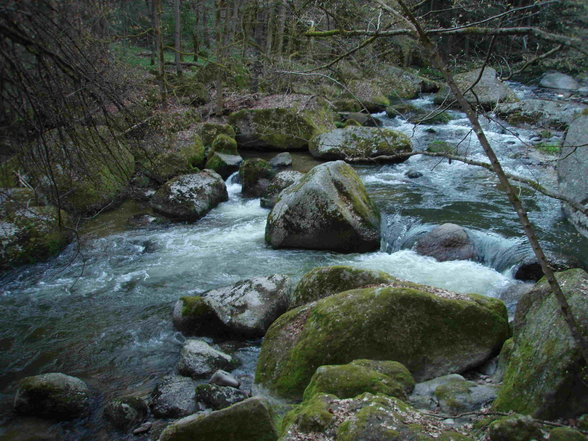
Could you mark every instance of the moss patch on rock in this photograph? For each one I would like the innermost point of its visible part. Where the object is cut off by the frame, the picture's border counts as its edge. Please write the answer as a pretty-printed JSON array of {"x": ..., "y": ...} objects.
[
  {"x": 223, "y": 144},
  {"x": 209, "y": 131}
]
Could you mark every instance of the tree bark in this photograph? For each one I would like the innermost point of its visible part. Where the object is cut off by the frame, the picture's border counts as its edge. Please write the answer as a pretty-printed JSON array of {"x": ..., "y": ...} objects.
[
  {"x": 178, "y": 36},
  {"x": 159, "y": 43}
]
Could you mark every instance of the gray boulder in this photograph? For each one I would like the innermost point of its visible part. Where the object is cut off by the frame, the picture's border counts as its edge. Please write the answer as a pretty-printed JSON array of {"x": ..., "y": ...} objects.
[
  {"x": 245, "y": 309},
  {"x": 558, "y": 80},
  {"x": 280, "y": 182},
  {"x": 540, "y": 113},
  {"x": 487, "y": 92},
  {"x": 446, "y": 242},
  {"x": 174, "y": 397},
  {"x": 281, "y": 160},
  {"x": 223, "y": 378},
  {"x": 189, "y": 197},
  {"x": 218, "y": 397},
  {"x": 363, "y": 119},
  {"x": 572, "y": 169},
  {"x": 249, "y": 420},
  {"x": 224, "y": 164},
  {"x": 55, "y": 395},
  {"x": 200, "y": 360},
  {"x": 544, "y": 375},
  {"x": 515, "y": 428},
  {"x": 256, "y": 175},
  {"x": 329, "y": 209},
  {"x": 124, "y": 413},
  {"x": 359, "y": 144}
]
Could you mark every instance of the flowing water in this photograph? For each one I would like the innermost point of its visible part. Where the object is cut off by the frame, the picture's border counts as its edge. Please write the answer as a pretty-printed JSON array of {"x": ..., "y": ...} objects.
[{"x": 103, "y": 312}]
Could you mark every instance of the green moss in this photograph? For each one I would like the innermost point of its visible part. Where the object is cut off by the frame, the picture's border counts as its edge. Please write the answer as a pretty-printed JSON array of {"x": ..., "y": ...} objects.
[
  {"x": 251, "y": 172},
  {"x": 223, "y": 144},
  {"x": 9, "y": 170},
  {"x": 351, "y": 123},
  {"x": 514, "y": 428},
  {"x": 311, "y": 416},
  {"x": 454, "y": 436},
  {"x": 187, "y": 158},
  {"x": 209, "y": 131},
  {"x": 566, "y": 434},
  {"x": 393, "y": 369},
  {"x": 195, "y": 306},
  {"x": 409, "y": 325},
  {"x": 348, "y": 381},
  {"x": 551, "y": 148}
]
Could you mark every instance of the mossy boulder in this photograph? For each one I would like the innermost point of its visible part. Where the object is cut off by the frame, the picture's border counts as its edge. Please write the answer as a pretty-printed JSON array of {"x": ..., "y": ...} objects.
[
  {"x": 353, "y": 379},
  {"x": 124, "y": 413},
  {"x": 329, "y": 209},
  {"x": 223, "y": 144},
  {"x": 431, "y": 331},
  {"x": 515, "y": 428},
  {"x": 566, "y": 434},
  {"x": 487, "y": 92},
  {"x": 189, "y": 197},
  {"x": 90, "y": 169},
  {"x": 366, "y": 417},
  {"x": 188, "y": 87},
  {"x": 249, "y": 420},
  {"x": 325, "y": 281},
  {"x": 256, "y": 175},
  {"x": 55, "y": 395},
  {"x": 280, "y": 182},
  {"x": 273, "y": 129},
  {"x": 244, "y": 309},
  {"x": 31, "y": 234},
  {"x": 458, "y": 395},
  {"x": 185, "y": 156},
  {"x": 540, "y": 113},
  {"x": 223, "y": 164},
  {"x": 360, "y": 144},
  {"x": 209, "y": 131},
  {"x": 545, "y": 376}
]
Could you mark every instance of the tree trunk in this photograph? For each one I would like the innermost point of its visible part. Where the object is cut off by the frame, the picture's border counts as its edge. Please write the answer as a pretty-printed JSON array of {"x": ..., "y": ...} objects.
[
  {"x": 159, "y": 42},
  {"x": 574, "y": 327},
  {"x": 178, "y": 36},
  {"x": 219, "y": 34},
  {"x": 151, "y": 5},
  {"x": 280, "y": 28}
]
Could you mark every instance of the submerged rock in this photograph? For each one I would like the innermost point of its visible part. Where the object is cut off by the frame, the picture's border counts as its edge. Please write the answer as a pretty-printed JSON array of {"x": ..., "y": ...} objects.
[
  {"x": 360, "y": 143},
  {"x": 174, "y": 397},
  {"x": 329, "y": 209},
  {"x": 200, "y": 360},
  {"x": 281, "y": 160},
  {"x": 447, "y": 242},
  {"x": 487, "y": 92},
  {"x": 545, "y": 376},
  {"x": 572, "y": 169},
  {"x": 558, "y": 80},
  {"x": 279, "y": 183},
  {"x": 126, "y": 412},
  {"x": 325, "y": 281},
  {"x": 431, "y": 331},
  {"x": 55, "y": 395},
  {"x": 249, "y": 420},
  {"x": 189, "y": 197},
  {"x": 245, "y": 309}
]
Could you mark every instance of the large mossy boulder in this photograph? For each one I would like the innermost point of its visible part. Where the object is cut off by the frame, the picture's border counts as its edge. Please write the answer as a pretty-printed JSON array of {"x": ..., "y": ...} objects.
[
  {"x": 246, "y": 308},
  {"x": 572, "y": 169},
  {"x": 209, "y": 131},
  {"x": 325, "y": 281},
  {"x": 189, "y": 197},
  {"x": 185, "y": 155},
  {"x": 256, "y": 175},
  {"x": 31, "y": 234},
  {"x": 515, "y": 428},
  {"x": 353, "y": 379},
  {"x": 89, "y": 170},
  {"x": 329, "y": 209},
  {"x": 487, "y": 92},
  {"x": 360, "y": 144},
  {"x": 545, "y": 376},
  {"x": 223, "y": 144},
  {"x": 55, "y": 395},
  {"x": 249, "y": 420},
  {"x": 273, "y": 129},
  {"x": 366, "y": 417},
  {"x": 431, "y": 331}
]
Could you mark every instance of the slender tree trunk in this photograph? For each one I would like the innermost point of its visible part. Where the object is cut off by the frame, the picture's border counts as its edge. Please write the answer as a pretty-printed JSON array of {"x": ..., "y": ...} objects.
[
  {"x": 575, "y": 329},
  {"x": 219, "y": 34},
  {"x": 271, "y": 21},
  {"x": 159, "y": 42},
  {"x": 178, "y": 36},
  {"x": 280, "y": 28},
  {"x": 151, "y": 5},
  {"x": 204, "y": 22}
]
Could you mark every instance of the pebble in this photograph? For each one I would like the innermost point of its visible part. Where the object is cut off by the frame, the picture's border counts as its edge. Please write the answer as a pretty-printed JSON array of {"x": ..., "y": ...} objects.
[{"x": 143, "y": 428}]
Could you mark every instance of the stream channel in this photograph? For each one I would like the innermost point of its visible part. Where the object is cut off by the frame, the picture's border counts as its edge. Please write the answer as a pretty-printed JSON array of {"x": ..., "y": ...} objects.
[{"x": 103, "y": 312}]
